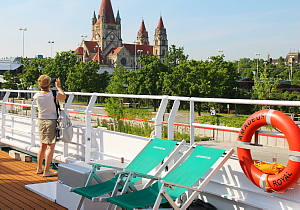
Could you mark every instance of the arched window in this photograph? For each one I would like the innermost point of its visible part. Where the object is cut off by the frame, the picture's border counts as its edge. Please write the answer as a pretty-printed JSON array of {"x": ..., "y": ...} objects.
[{"x": 123, "y": 61}]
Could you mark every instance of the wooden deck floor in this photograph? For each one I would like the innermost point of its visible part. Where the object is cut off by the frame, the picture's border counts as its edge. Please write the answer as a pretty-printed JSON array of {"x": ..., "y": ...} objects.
[{"x": 14, "y": 175}]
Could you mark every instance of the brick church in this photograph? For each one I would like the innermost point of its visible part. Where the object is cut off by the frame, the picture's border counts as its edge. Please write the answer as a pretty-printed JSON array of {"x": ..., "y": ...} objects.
[{"x": 106, "y": 46}]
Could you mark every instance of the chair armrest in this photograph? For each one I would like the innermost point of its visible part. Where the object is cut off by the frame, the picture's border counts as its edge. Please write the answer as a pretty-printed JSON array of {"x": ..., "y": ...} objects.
[
  {"x": 125, "y": 171},
  {"x": 106, "y": 166},
  {"x": 182, "y": 186}
]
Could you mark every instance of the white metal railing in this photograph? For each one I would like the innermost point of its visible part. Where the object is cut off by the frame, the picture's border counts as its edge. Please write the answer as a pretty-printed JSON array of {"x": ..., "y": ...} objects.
[{"x": 82, "y": 146}]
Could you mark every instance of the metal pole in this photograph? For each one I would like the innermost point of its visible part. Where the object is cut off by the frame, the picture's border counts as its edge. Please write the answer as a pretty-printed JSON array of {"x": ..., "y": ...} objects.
[
  {"x": 51, "y": 42},
  {"x": 23, "y": 43},
  {"x": 291, "y": 71},
  {"x": 134, "y": 55},
  {"x": 23, "y": 29},
  {"x": 257, "y": 63}
]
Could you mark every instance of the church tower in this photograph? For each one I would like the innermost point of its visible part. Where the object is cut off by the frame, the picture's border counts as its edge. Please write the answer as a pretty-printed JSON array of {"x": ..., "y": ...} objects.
[
  {"x": 142, "y": 35},
  {"x": 160, "y": 41},
  {"x": 106, "y": 30}
]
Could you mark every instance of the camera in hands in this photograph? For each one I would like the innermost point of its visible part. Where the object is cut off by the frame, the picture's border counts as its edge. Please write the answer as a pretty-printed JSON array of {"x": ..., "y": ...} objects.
[{"x": 52, "y": 82}]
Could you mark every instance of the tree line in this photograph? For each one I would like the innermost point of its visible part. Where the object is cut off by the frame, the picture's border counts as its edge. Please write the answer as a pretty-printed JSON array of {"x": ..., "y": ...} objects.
[{"x": 177, "y": 76}]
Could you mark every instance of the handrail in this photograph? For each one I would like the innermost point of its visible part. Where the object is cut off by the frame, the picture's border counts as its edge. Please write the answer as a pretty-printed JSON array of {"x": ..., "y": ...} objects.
[
  {"x": 158, "y": 120},
  {"x": 246, "y": 101}
]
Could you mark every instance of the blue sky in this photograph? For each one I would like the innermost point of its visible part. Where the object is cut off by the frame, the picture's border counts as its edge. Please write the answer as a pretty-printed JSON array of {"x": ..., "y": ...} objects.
[{"x": 240, "y": 28}]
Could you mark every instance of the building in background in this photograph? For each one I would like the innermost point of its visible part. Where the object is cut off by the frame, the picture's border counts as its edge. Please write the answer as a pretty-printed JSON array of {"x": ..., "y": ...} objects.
[{"x": 106, "y": 46}]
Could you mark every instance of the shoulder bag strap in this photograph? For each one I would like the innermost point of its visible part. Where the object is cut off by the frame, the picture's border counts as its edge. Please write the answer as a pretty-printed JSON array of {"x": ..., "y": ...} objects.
[{"x": 56, "y": 102}]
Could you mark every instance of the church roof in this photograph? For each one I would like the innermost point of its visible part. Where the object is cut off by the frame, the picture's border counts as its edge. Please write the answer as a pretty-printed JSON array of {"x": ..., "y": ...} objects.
[
  {"x": 107, "y": 12},
  {"x": 160, "y": 25},
  {"x": 78, "y": 51},
  {"x": 85, "y": 54},
  {"x": 91, "y": 46},
  {"x": 142, "y": 27},
  {"x": 115, "y": 51},
  {"x": 147, "y": 49},
  {"x": 99, "y": 58}
]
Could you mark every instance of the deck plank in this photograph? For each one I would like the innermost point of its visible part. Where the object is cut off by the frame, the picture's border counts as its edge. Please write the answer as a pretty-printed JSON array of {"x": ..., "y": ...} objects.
[{"x": 14, "y": 175}]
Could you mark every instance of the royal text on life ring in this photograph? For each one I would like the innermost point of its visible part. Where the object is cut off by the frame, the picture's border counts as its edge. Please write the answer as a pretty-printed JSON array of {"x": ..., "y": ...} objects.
[{"x": 291, "y": 173}]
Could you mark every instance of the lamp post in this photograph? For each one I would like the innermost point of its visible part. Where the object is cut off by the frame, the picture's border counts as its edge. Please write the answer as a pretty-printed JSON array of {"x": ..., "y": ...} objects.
[
  {"x": 258, "y": 54},
  {"x": 23, "y": 29},
  {"x": 98, "y": 52},
  {"x": 51, "y": 42},
  {"x": 220, "y": 51},
  {"x": 134, "y": 55},
  {"x": 139, "y": 53},
  {"x": 291, "y": 69}
]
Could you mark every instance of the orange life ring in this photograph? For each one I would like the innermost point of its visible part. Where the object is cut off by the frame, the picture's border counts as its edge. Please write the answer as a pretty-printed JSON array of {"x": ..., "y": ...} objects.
[{"x": 291, "y": 173}]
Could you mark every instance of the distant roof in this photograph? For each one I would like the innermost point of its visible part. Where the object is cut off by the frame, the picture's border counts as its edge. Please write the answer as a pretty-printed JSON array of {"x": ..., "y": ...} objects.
[
  {"x": 115, "y": 51},
  {"x": 78, "y": 51},
  {"x": 91, "y": 46},
  {"x": 99, "y": 58},
  {"x": 132, "y": 47},
  {"x": 10, "y": 60},
  {"x": 9, "y": 66}
]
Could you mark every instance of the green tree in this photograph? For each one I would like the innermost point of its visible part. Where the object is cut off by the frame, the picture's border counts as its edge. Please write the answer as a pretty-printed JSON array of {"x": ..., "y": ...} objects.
[
  {"x": 222, "y": 76},
  {"x": 244, "y": 67},
  {"x": 32, "y": 70},
  {"x": 265, "y": 88},
  {"x": 12, "y": 80},
  {"x": 148, "y": 80},
  {"x": 84, "y": 78},
  {"x": 61, "y": 66},
  {"x": 118, "y": 85},
  {"x": 175, "y": 56},
  {"x": 295, "y": 68},
  {"x": 119, "y": 81}
]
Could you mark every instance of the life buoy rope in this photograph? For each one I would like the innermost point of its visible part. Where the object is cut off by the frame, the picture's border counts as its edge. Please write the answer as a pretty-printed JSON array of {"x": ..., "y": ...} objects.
[{"x": 288, "y": 176}]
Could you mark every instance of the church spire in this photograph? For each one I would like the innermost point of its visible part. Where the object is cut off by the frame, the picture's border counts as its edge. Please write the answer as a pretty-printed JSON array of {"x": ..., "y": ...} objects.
[
  {"x": 94, "y": 19},
  {"x": 118, "y": 18},
  {"x": 160, "y": 40},
  {"x": 106, "y": 12},
  {"x": 160, "y": 25},
  {"x": 118, "y": 15},
  {"x": 142, "y": 36},
  {"x": 142, "y": 27}
]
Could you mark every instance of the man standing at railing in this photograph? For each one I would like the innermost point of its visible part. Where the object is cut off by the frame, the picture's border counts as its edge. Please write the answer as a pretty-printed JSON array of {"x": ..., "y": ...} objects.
[{"x": 47, "y": 119}]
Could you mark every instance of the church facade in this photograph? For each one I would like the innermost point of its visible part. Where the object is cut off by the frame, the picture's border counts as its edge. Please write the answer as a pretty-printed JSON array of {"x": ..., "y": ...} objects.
[{"x": 107, "y": 48}]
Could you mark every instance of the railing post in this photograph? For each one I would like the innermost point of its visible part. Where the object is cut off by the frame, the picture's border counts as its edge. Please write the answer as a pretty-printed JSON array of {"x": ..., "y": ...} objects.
[
  {"x": 5, "y": 99},
  {"x": 159, "y": 117},
  {"x": 171, "y": 119},
  {"x": 88, "y": 128},
  {"x": 67, "y": 106},
  {"x": 192, "y": 128},
  {"x": 33, "y": 124}
]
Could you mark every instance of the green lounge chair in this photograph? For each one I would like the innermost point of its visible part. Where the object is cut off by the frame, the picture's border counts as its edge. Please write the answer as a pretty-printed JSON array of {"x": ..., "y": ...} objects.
[
  {"x": 185, "y": 173},
  {"x": 151, "y": 156}
]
